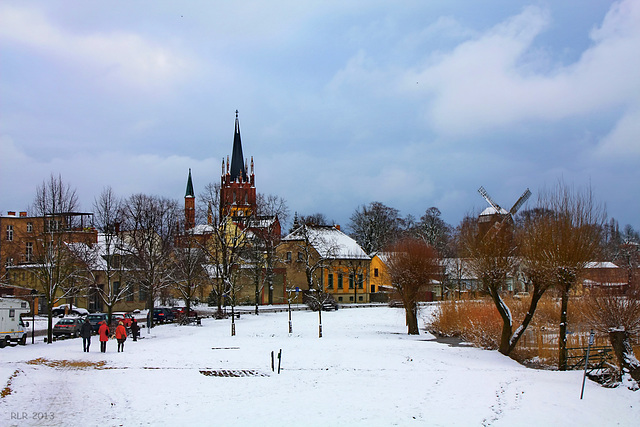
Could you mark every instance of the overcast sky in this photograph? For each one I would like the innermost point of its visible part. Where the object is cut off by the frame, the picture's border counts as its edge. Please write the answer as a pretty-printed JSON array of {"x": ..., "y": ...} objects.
[{"x": 410, "y": 103}]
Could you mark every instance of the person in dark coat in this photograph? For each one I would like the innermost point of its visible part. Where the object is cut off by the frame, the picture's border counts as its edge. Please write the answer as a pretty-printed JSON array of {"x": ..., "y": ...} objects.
[
  {"x": 85, "y": 333},
  {"x": 135, "y": 329},
  {"x": 104, "y": 336}
]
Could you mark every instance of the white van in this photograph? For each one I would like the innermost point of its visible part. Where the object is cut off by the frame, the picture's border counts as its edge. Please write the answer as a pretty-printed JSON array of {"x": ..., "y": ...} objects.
[{"x": 11, "y": 326}]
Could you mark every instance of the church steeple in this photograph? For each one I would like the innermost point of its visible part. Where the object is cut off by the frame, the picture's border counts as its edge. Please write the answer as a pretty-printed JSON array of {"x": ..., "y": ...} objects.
[
  {"x": 189, "y": 205},
  {"x": 189, "y": 192},
  {"x": 238, "y": 169},
  {"x": 237, "y": 187}
]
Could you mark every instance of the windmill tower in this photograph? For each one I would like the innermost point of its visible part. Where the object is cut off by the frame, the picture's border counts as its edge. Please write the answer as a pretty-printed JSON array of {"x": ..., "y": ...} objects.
[{"x": 494, "y": 218}]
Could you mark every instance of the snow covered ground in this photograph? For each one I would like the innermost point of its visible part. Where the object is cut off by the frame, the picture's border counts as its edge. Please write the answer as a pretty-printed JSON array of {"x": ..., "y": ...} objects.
[{"x": 364, "y": 371}]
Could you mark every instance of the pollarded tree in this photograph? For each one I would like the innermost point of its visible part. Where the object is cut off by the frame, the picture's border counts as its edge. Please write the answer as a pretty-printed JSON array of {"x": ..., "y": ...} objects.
[
  {"x": 412, "y": 266},
  {"x": 491, "y": 259},
  {"x": 618, "y": 316},
  {"x": 574, "y": 237}
]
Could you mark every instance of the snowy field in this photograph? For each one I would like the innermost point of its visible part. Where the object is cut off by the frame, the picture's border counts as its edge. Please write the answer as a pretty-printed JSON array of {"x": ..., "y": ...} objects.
[{"x": 365, "y": 371}]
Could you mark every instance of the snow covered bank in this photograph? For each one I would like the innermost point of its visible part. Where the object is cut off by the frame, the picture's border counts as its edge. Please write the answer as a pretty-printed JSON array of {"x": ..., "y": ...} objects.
[{"x": 364, "y": 371}]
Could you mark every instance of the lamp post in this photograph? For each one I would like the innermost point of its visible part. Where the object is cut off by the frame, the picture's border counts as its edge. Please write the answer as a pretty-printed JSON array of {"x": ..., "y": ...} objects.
[{"x": 33, "y": 315}]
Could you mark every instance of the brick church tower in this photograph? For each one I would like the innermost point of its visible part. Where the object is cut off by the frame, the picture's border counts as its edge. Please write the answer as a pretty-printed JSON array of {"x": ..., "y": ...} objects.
[
  {"x": 237, "y": 188},
  {"x": 189, "y": 205}
]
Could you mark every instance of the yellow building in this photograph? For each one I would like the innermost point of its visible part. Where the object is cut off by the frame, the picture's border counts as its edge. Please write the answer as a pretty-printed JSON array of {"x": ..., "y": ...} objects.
[{"x": 324, "y": 258}]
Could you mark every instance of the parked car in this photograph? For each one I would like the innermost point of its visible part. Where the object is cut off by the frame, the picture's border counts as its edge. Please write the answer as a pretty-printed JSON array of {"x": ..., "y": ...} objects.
[
  {"x": 181, "y": 311},
  {"x": 162, "y": 315},
  {"x": 95, "y": 319},
  {"x": 65, "y": 309},
  {"x": 123, "y": 317},
  {"x": 68, "y": 326}
]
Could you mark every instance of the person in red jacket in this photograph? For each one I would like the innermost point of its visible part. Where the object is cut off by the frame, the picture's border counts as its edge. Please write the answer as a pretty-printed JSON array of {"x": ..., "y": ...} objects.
[
  {"x": 121, "y": 336},
  {"x": 104, "y": 336}
]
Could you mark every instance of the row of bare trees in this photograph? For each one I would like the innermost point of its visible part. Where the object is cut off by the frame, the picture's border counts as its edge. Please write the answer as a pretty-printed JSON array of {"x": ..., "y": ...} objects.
[{"x": 143, "y": 245}]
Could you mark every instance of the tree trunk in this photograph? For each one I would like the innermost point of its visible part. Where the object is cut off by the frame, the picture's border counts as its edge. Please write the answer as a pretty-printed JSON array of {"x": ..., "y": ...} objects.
[
  {"x": 562, "y": 339},
  {"x": 507, "y": 325},
  {"x": 624, "y": 353},
  {"x": 411, "y": 314},
  {"x": 535, "y": 297}
]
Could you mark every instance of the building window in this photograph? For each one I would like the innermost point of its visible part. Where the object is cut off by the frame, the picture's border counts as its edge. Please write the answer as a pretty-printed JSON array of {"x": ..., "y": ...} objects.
[
  {"x": 288, "y": 256},
  {"x": 373, "y": 289},
  {"x": 142, "y": 294},
  {"x": 360, "y": 281},
  {"x": 9, "y": 262},
  {"x": 130, "y": 293},
  {"x": 350, "y": 280},
  {"x": 29, "y": 227},
  {"x": 300, "y": 256},
  {"x": 10, "y": 233},
  {"x": 360, "y": 298},
  {"x": 339, "y": 280},
  {"x": 330, "y": 281},
  {"x": 116, "y": 288},
  {"x": 351, "y": 299},
  {"x": 29, "y": 252},
  {"x": 339, "y": 299},
  {"x": 375, "y": 272}
]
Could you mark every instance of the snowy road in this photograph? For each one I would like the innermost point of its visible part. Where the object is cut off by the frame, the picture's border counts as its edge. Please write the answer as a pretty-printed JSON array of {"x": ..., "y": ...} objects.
[{"x": 364, "y": 371}]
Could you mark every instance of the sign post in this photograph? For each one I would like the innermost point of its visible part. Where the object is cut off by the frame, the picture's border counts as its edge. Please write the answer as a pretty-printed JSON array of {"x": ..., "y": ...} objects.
[{"x": 586, "y": 361}]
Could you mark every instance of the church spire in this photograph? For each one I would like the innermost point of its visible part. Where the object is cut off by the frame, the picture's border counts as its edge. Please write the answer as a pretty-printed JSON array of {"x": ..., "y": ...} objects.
[
  {"x": 238, "y": 169},
  {"x": 189, "y": 192}
]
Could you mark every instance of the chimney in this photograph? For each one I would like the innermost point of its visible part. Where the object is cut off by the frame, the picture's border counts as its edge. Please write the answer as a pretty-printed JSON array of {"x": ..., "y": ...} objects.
[
  {"x": 23, "y": 214},
  {"x": 338, "y": 226},
  {"x": 11, "y": 213}
]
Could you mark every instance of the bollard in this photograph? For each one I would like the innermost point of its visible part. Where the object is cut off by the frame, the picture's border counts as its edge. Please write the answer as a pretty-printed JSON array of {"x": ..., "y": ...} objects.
[{"x": 279, "y": 360}]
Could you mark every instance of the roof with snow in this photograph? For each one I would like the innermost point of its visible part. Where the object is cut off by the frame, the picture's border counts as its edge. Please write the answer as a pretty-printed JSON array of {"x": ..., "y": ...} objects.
[{"x": 328, "y": 241}]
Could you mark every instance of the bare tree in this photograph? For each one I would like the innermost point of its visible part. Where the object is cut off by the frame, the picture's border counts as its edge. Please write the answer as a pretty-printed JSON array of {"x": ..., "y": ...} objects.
[
  {"x": 618, "y": 316},
  {"x": 316, "y": 250},
  {"x": 105, "y": 259},
  {"x": 375, "y": 226},
  {"x": 433, "y": 230},
  {"x": 149, "y": 226},
  {"x": 189, "y": 272},
  {"x": 574, "y": 236},
  {"x": 412, "y": 266},
  {"x": 224, "y": 241},
  {"x": 48, "y": 257},
  {"x": 492, "y": 260}
]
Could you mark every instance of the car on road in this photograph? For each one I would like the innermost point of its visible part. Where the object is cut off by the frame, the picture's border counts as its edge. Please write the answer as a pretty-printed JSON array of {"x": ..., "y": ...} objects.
[
  {"x": 95, "y": 319},
  {"x": 68, "y": 326},
  {"x": 162, "y": 315}
]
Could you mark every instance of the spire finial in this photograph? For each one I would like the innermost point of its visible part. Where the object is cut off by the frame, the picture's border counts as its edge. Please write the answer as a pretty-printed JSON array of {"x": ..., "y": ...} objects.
[{"x": 236, "y": 114}]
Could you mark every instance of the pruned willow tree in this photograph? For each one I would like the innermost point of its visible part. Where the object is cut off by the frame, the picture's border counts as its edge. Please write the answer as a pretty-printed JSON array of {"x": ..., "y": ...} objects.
[
  {"x": 573, "y": 240},
  {"x": 491, "y": 259},
  {"x": 413, "y": 265}
]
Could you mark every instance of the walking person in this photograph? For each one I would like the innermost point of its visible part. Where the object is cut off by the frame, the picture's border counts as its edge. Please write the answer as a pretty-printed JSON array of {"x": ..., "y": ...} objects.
[
  {"x": 121, "y": 336},
  {"x": 85, "y": 332},
  {"x": 104, "y": 336},
  {"x": 134, "y": 329}
]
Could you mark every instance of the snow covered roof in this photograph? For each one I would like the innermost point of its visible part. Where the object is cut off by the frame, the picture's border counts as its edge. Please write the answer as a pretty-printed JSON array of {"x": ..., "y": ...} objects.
[
  {"x": 605, "y": 264},
  {"x": 490, "y": 210},
  {"x": 329, "y": 242}
]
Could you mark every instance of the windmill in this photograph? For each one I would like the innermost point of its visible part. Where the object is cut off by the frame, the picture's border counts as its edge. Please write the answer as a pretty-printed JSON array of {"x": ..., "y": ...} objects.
[{"x": 494, "y": 218}]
